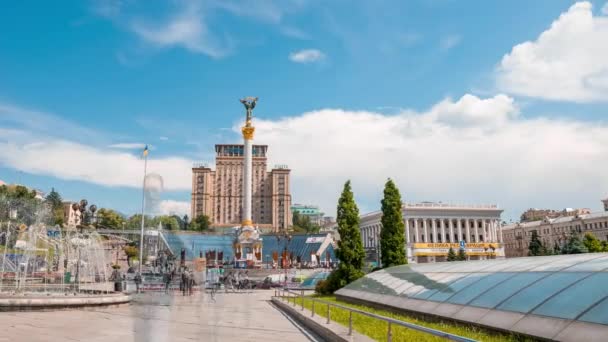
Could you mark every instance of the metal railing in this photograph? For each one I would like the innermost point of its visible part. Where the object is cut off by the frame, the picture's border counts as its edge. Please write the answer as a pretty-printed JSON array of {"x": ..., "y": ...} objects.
[{"x": 287, "y": 295}]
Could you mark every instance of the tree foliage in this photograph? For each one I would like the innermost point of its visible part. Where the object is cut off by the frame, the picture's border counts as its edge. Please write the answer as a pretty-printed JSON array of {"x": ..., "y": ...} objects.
[
  {"x": 452, "y": 255},
  {"x": 350, "y": 250},
  {"x": 592, "y": 243},
  {"x": 108, "y": 218},
  {"x": 392, "y": 235},
  {"x": 54, "y": 199},
  {"x": 201, "y": 223},
  {"x": 131, "y": 252},
  {"x": 462, "y": 255},
  {"x": 535, "y": 247},
  {"x": 302, "y": 223},
  {"x": 574, "y": 245}
]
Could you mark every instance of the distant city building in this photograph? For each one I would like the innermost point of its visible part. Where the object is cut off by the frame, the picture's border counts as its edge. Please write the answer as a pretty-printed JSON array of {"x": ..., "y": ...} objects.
[
  {"x": 553, "y": 231},
  {"x": 310, "y": 211},
  {"x": 605, "y": 203},
  {"x": 540, "y": 214},
  {"x": 219, "y": 194},
  {"x": 39, "y": 194},
  {"x": 328, "y": 223},
  {"x": 71, "y": 217},
  {"x": 432, "y": 228}
]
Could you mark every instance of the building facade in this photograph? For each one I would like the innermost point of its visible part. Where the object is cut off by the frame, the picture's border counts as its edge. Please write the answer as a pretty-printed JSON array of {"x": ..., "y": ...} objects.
[
  {"x": 431, "y": 229},
  {"x": 311, "y": 211},
  {"x": 552, "y": 232},
  {"x": 219, "y": 193},
  {"x": 540, "y": 214},
  {"x": 71, "y": 217}
]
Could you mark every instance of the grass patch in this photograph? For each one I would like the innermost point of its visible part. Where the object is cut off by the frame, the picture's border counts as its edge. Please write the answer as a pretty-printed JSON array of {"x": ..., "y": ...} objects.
[{"x": 377, "y": 329}]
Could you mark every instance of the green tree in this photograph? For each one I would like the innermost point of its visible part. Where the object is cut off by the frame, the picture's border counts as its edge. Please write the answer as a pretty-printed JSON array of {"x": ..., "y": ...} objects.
[
  {"x": 168, "y": 222},
  {"x": 557, "y": 249},
  {"x": 134, "y": 222},
  {"x": 301, "y": 223},
  {"x": 452, "y": 255},
  {"x": 462, "y": 255},
  {"x": 535, "y": 247},
  {"x": 574, "y": 246},
  {"x": 186, "y": 221},
  {"x": 21, "y": 192},
  {"x": 54, "y": 199},
  {"x": 132, "y": 252},
  {"x": 604, "y": 246},
  {"x": 200, "y": 223},
  {"x": 392, "y": 235},
  {"x": 350, "y": 250},
  {"x": 592, "y": 243},
  {"x": 108, "y": 218}
]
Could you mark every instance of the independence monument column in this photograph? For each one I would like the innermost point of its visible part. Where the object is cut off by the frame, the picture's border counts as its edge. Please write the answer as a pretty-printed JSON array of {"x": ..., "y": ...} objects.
[
  {"x": 248, "y": 131},
  {"x": 248, "y": 247}
]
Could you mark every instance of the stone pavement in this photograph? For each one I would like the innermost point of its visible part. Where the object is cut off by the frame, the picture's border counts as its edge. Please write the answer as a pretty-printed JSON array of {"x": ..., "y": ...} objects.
[{"x": 158, "y": 317}]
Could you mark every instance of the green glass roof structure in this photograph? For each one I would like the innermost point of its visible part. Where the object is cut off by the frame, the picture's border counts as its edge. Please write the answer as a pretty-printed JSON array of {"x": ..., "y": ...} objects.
[{"x": 562, "y": 297}]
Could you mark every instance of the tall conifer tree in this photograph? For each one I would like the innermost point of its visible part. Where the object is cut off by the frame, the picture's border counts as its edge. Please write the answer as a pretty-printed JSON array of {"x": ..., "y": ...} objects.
[
  {"x": 392, "y": 239},
  {"x": 350, "y": 247}
]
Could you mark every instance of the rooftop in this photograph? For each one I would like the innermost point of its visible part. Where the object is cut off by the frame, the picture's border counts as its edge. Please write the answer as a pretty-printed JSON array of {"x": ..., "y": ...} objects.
[{"x": 551, "y": 297}]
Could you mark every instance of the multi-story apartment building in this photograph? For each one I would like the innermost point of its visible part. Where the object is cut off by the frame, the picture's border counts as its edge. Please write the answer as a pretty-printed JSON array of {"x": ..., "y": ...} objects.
[
  {"x": 219, "y": 194},
  {"x": 553, "y": 231}
]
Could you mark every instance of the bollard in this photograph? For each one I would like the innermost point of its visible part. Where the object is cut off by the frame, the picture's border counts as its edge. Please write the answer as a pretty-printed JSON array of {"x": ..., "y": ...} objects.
[
  {"x": 389, "y": 335},
  {"x": 350, "y": 323},
  {"x": 327, "y": 313},
  {"x": 313, "y": 308},
  {"x": 302, "y": 300}
]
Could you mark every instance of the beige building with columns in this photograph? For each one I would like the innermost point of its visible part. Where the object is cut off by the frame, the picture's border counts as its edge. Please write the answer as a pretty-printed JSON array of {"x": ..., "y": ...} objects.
[
  {"x": 219, "y": 194},
  {"x": 552, "y": 232},
  {"x": 432, "y": 228}
]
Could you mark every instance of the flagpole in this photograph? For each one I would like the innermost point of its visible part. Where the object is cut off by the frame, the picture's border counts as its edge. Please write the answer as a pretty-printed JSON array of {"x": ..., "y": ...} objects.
[{"x": 143, "y": 204}]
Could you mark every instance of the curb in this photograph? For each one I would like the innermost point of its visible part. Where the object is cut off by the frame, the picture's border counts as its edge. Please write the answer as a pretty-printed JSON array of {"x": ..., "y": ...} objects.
[{"x": 329, "y": 332}]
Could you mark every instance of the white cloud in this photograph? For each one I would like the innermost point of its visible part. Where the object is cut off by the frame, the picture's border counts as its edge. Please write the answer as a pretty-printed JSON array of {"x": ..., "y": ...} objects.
[
  {"x": 171, "y": 207},
  {"x": 128, "y": 146},
  {"x": 568, "y": 61},
  {"x": 307, "y": 56},
  {"x": 470, "y": 150},
  {"x": 605, "y": 9},
  {"x": 186, "y": 29},
  {"x": 450, "y": 41},
  {"x": 71, "y": 160}
]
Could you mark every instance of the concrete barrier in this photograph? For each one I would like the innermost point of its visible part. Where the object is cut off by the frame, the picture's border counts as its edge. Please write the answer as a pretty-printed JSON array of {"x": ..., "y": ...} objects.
[
  {"x": 38, "y": 302},
  {"x": 332, "y": 332}
]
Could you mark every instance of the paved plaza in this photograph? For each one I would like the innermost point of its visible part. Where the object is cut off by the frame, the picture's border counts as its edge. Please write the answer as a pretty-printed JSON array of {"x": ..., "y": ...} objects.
[{"x": 156, "y": 317}]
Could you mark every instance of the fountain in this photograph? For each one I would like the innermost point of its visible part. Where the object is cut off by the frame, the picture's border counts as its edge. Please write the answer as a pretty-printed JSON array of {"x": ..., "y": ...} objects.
[{"x": 49, "y": 266}]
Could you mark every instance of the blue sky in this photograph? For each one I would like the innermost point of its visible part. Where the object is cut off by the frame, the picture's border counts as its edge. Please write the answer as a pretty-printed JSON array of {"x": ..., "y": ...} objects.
[{"x": 437, "y": 94}]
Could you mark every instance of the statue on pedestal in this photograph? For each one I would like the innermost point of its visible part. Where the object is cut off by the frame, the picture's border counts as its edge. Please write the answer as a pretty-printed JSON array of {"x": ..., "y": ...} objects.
[{"x": 249, "y": 103}]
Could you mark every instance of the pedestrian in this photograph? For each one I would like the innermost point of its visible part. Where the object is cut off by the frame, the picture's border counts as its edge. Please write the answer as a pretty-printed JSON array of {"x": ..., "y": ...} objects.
[
  {"x": 190, "y": 282},
  {"x": 184, "y": 282},
  {"x": 167, "y": 279},
  {"x": 137, "y": 281}
]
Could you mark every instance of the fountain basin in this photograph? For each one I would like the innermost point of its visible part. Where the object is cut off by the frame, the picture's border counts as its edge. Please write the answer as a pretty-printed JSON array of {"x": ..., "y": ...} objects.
[{"x": 38, "y": 302}]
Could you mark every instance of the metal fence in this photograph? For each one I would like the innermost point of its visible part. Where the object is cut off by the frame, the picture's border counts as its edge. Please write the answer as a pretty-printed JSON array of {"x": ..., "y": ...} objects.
[{"x": 288, "y": 296}]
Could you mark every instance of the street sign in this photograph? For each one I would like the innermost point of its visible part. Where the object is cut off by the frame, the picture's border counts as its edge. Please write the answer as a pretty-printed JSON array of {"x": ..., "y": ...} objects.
[{"x": 463, "y": 244}]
